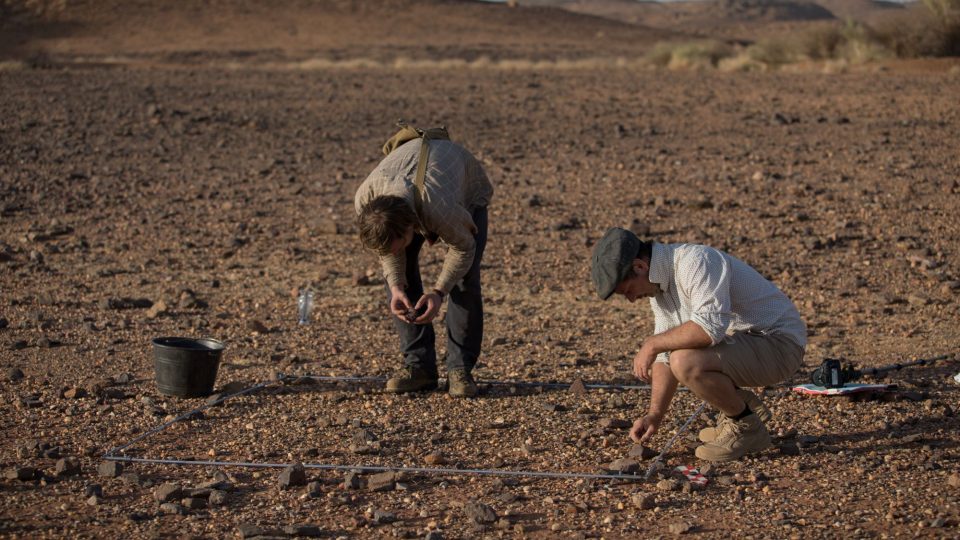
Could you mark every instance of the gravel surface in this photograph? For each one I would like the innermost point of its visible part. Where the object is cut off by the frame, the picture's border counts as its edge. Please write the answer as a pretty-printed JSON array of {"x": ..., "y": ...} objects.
[{"x": 193, "y": 200}]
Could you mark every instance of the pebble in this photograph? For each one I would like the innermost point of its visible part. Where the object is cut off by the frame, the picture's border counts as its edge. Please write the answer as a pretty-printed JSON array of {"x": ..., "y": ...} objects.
[
  {"x": 172, "y": 508},
  {"x": 644, "y": 501},
  {"x": 624, "y": 466},
  {"x": 14, "y": 374},
  {"x": 615, "y": 423},
  {"x": 110, "y": 469},
  {"x": 21, "y": 473},
  {"x": 668, "y": 484},
  {"x": 385, "y": 481},
  {"x": 256, "y": 326},
  {"x": 642, "y": 452},
  {"x": 479, "y": 512},
  {"x": 303, "y": 530},
  {"x": 292, "y": 476},
  {"x": 217, "y": 498},
  {"x": 67, "y": 466},
  {"x": 168, "y": 492},
  {"x": 681, "y": 527}
]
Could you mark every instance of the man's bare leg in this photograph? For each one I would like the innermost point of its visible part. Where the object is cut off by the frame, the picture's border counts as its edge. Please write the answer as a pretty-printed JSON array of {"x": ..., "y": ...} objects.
[{"x": 700, "y": 371}]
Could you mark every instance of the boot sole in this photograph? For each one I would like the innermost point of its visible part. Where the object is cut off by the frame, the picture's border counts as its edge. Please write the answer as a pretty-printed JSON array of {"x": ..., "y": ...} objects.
[{"x": 733, "y": 456}]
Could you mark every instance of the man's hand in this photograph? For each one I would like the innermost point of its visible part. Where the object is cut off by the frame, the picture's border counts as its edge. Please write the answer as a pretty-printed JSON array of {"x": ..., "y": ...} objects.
[
  {"x": 399, "y": 303},
  {"x": 431, "y": 301},
  {"x": 643, "y": 361},
  {"x": 644, "y": 428}
]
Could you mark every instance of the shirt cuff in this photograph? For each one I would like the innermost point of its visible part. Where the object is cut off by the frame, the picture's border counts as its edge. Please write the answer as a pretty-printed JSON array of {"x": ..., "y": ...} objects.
[{"x": 713, "y": 324}]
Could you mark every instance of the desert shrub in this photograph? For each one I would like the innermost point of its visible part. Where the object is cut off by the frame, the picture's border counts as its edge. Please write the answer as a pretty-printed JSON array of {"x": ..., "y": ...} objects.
[
  {"x": 821, "y": 43},
  {"x": 773, "y": 52},
  {"x": 929, "y": 35},
  {"x": 691, "y": 55}
]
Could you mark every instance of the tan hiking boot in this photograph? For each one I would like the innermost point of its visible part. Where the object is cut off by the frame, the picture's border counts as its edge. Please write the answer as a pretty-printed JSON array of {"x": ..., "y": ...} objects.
[
  {"x": 411, "y": 379},
  {"x": 461, "y": 383},
  {"x": 708, "y": 434},
  {"x": 736, "y": 439}
]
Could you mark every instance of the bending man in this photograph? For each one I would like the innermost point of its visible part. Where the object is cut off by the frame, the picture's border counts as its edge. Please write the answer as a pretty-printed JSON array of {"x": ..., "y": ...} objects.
[{"x": 452, "y": 207}]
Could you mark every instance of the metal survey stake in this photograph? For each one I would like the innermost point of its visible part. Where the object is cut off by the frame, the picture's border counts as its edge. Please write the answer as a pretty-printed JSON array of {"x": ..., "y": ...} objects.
[{"x": 659, "y": 459}]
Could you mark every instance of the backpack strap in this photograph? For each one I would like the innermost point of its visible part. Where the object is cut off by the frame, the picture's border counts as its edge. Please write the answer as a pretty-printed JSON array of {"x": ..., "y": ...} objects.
[{"x": 419, "y": 179}]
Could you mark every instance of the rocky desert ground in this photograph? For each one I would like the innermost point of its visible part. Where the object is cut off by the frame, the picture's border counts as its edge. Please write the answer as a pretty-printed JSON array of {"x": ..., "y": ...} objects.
[{"x": 167, "y": 171}]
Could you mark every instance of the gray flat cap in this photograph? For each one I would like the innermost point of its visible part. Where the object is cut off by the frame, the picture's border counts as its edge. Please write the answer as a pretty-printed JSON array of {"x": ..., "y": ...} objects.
[{"x": 612, "y": 258}]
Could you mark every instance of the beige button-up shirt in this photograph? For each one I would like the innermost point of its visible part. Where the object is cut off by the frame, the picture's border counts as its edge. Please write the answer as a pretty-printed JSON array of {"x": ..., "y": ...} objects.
[
  {"x": 720, "y": 293},
  {"x": 454, "y": 184}
]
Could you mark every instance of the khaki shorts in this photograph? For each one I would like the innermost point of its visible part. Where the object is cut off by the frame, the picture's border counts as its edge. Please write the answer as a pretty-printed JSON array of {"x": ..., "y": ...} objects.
[{"x": 752, "y": 359}]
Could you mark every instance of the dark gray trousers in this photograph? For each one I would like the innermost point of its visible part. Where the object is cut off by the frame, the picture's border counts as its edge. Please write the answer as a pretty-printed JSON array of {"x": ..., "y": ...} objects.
[{"x": 464, "y": 311}]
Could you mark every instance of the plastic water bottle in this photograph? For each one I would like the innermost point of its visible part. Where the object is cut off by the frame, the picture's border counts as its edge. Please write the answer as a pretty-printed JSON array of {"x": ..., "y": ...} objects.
[{"x": 304, "y": 306}]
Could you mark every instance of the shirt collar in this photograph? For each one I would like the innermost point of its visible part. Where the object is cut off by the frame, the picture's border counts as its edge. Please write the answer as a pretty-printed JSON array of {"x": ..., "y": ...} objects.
[{"x": 661, "y": 265}]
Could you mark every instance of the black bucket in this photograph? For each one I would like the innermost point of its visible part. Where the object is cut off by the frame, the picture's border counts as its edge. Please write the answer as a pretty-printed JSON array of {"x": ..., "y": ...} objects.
[{"x": 186, "y": 367}]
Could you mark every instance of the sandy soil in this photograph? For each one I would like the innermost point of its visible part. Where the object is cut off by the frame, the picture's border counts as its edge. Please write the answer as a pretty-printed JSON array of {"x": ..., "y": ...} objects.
[{"x": 208, "y": 192}]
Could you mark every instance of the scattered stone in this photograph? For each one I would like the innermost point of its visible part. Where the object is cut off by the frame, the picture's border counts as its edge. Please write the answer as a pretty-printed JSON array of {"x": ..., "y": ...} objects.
[
  {"x": 434, "y": 458},
  {"x": 21, "y": 473},
  {"x": 668, "y": 484},
  {"x": 156, "y": 310},
  {"x": 624, "y": 466},
  {"x": 382, "y": 516},
  {"x": 110, "y": 469},
  {"x": 578, "y": 388},
  {"x": 124, "y": 378},
  {"x": 75, "y": 393},
  {"x": 258, "y": 327},
  {"x": 433, "y": 535},
  {"x": 644, "y": 501},
  {"x": 67, "y": 466},
  {"x": 93, "y": 500},
  {"x": 360, "y": 279},
  {"x": 217, "y": 498},
  {"x": 642, "y": 452},
  {"x": 615, "y": 423},
  {"x": 789, "y": 449},
  {"x": 303, "y": 530},
  {"x": 172, "y": 509},
  {"x": 353, "y": 480},
  {"x": 249, "y": 530},
  {"x": 4, "y": 323},
  {"x": 478, "y": 512},
  {"x": 194, "y": 503},
  {"x": 14, "y": 374},
  {"x": 93, "y": 490},
  {"x": 168, "y": 492},
  {"x": 292, "y": 476},
  {"x": 954, "y": 480},
  {"x": 681, "y": 527},
  {"x": 385, "y": 481},
  {"x": 553, "y": 407}
]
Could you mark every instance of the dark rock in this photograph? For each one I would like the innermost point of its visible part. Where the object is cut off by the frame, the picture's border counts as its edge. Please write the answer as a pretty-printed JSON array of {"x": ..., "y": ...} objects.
[
  {"x": 615, "y": 423},
  {"x": 624, "y": 466},
  {"x": 168, "y": 492},
  {"x": 21, "y": 473},
  {"x": 789, "y": 449},
  {"x": 385, "y": 481},
  {"x": 4, "y": 323},
  {"x": 217, "y": 498},
  {"x": 478, "y": 512},
  {"x": 353, "y": 480},
  {"x": 67, "y": 466},
  {"x": 256, "y": 326},
  {"x": 642, "y": 452},
  {"x": 578, "y": 388},
  {"x": 172, "y": 509},
  {"x": 644, "y": 501},
  {"x": 110, "y": 469},
  {"x": 382, "y": 516},
  {"x": 303, "y": 530},
  {"x": 124, "y": 378},
  {"x": 292, "y": 476},
  {"x": 194, "y": 503},
  {"x": 93, "y": 490},
  {"x": 14, "y": 374},
  {"x": 249, "y": 530},
  {"x": 19, "y": 344}
]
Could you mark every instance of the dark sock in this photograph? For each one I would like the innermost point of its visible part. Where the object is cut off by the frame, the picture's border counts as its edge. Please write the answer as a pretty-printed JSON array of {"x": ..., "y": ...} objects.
[{"x": 746, "y": 412}]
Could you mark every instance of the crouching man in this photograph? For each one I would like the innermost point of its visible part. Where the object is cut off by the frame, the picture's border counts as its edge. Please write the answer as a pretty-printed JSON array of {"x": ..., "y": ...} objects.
[{"x": 720, "y": 327}]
